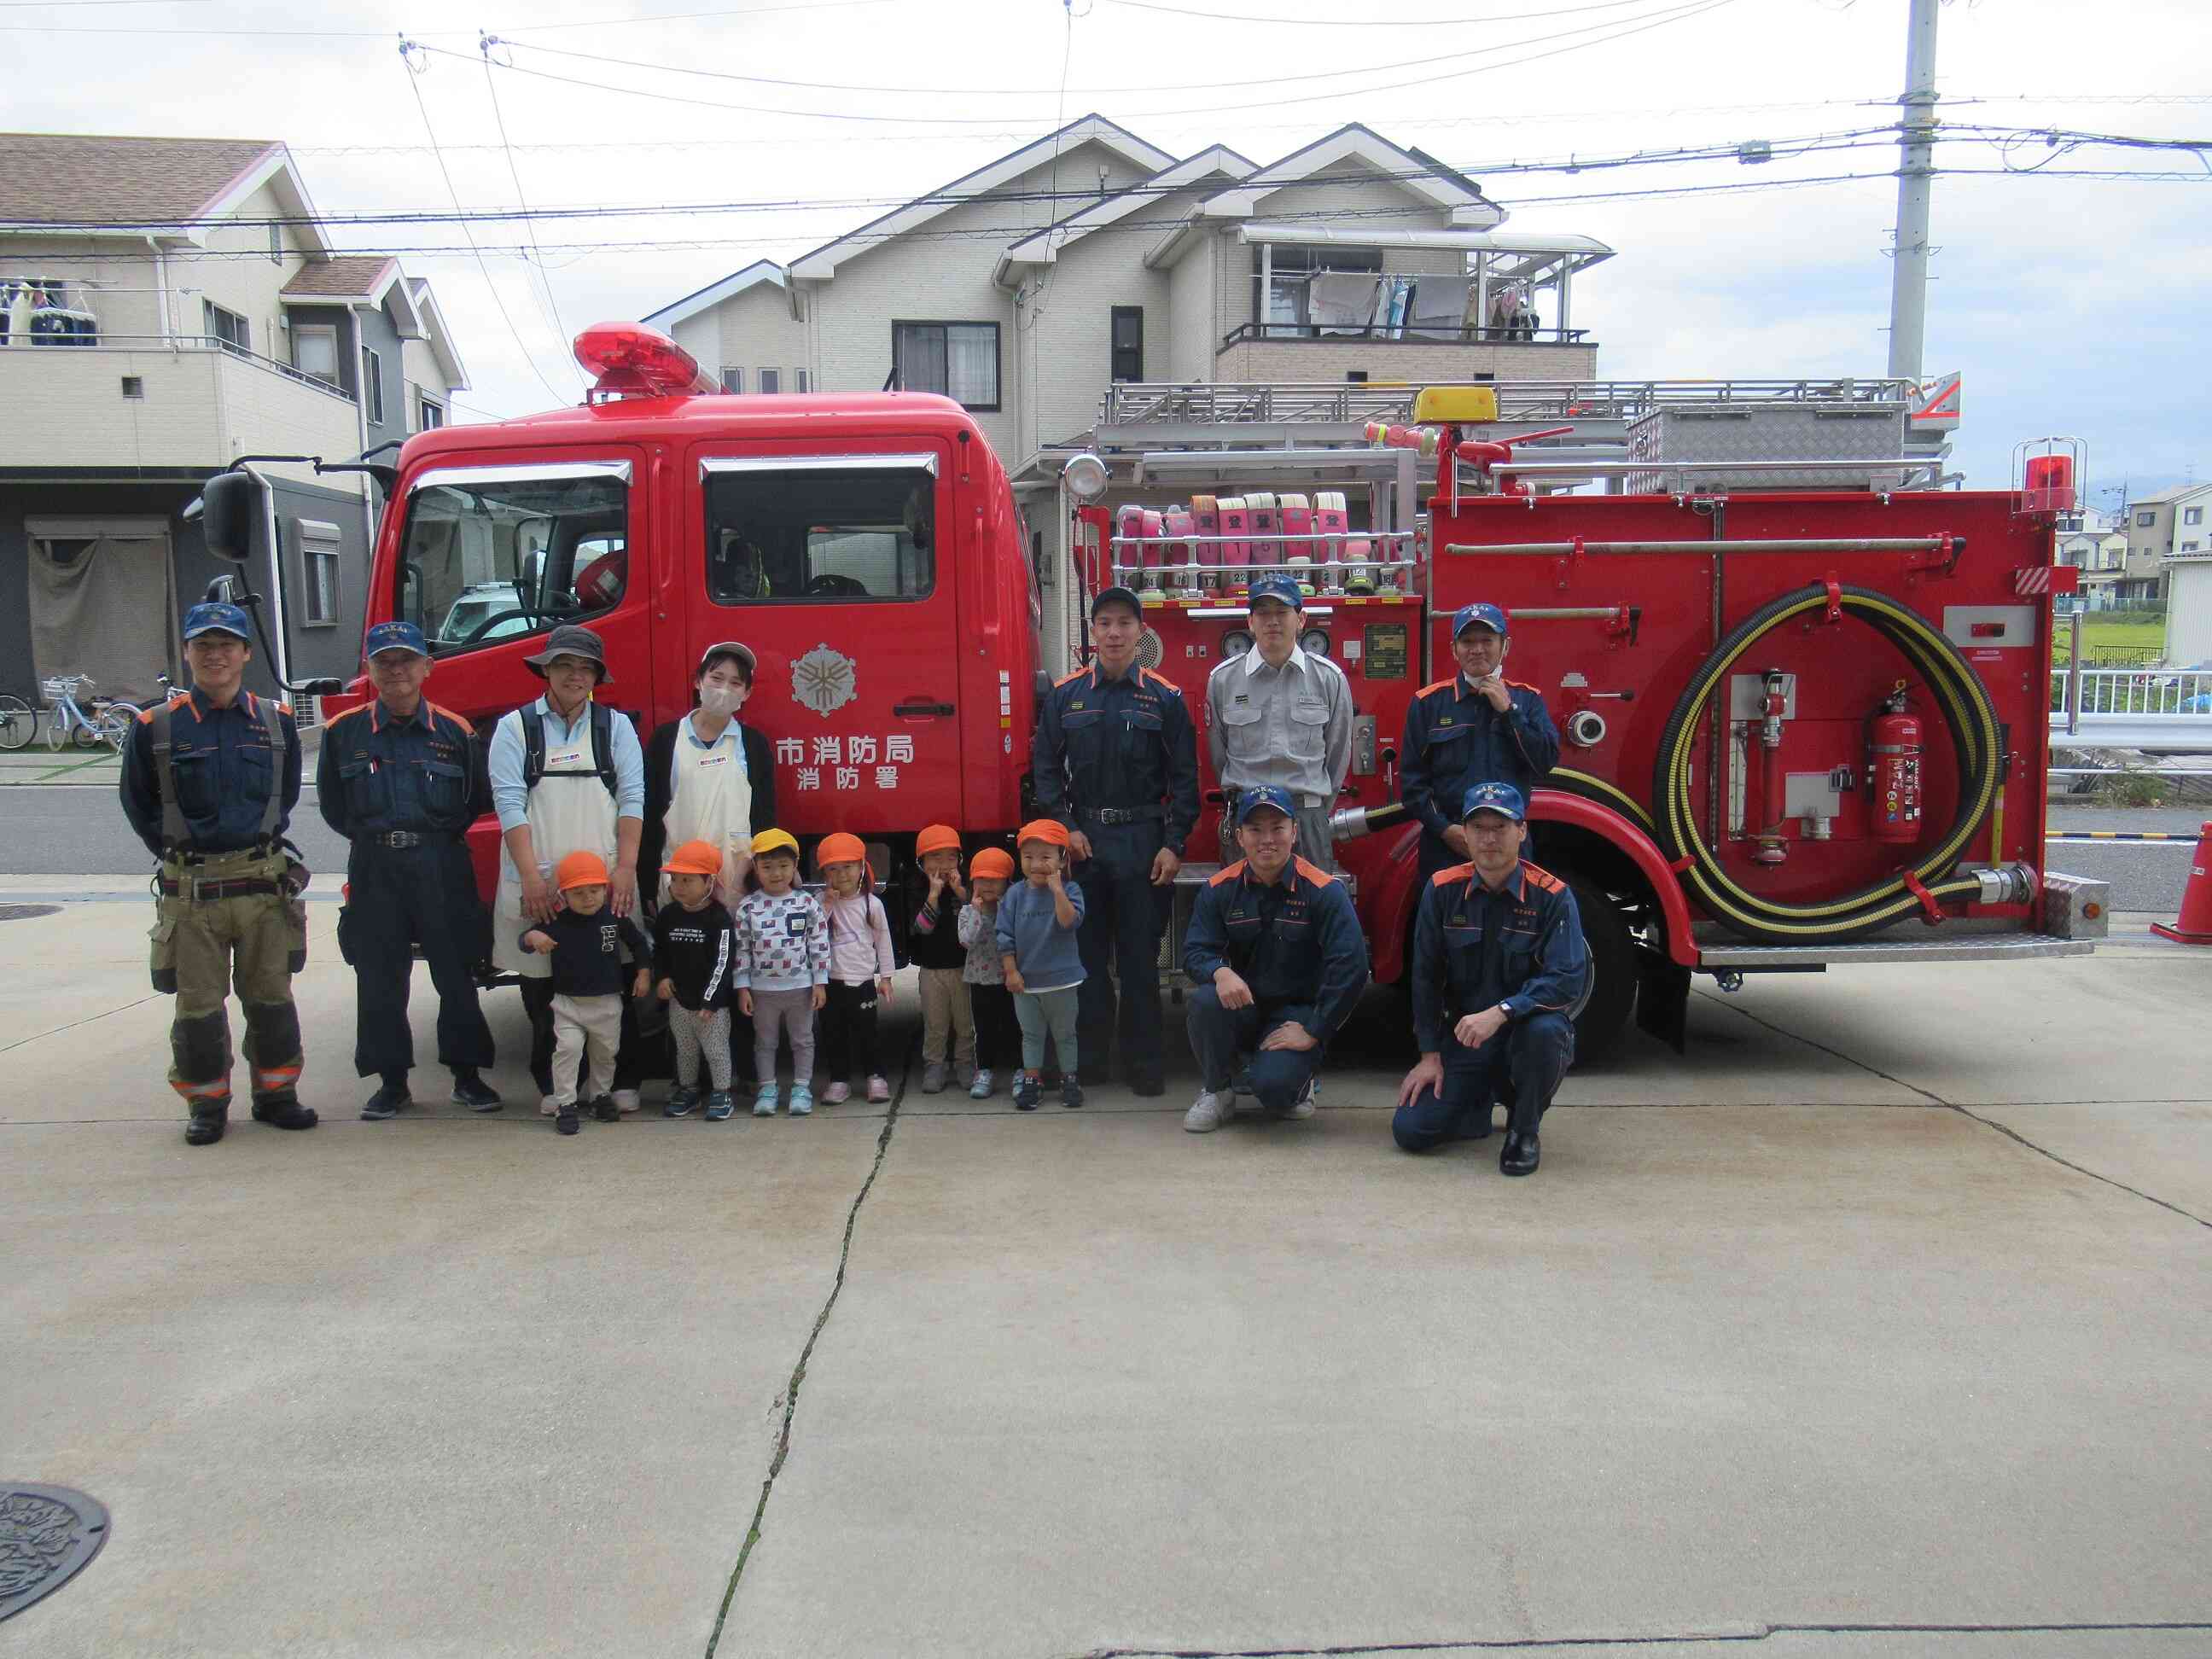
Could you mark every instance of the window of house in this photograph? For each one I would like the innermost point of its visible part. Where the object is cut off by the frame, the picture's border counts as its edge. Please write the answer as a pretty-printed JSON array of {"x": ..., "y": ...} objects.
[
  {"x": 493, "y": 553},
  {"x": 372, "y": 384},
  {"x": 803, "y": 381},
  {"x": 771, "y": 380},
  {"x": 1314, "y": 287},
  {"x": 2192, "y": 515},
  {"x": 2188, "y": 547},
  {"x": 430, "y": 414},
  {"x": 1126, "y": 334},
  {"x": 315, "y": 352},
  {"x": 319, "y": 566},
  {"x": 2144, "y": 520},
  {"x": 959, "y": 359},
  {"x": 226, "y": 326},
  {"x": 733, "y": 380},
  {"x": 777, "y": 534},
  {"x": 275, "y": 244}
]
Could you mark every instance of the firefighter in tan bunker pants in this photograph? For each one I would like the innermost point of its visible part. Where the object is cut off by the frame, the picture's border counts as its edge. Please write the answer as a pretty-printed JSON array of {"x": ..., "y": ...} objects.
[{"x": 210, "y": 779}]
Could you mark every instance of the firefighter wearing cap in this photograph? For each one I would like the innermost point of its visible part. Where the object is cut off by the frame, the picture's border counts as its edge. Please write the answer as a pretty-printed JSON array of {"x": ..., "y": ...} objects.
[
  {"x": 402, "y": 780},
  {"x": 567, "y": 775},
  {"x": 1499, "y": 965},
  {"x": 209, "y": 782},
  {"x": 1279, "y": 715},
  {"x": 1277, "y": 963},
  {"x": 1116, "y": 762},
  {"x": 1476, "y": 728}
]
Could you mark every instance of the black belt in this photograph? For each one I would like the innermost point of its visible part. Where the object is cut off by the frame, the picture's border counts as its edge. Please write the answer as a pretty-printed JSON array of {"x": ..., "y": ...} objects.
[
  {"x": 201, "y": 892},
  {"x": 405, "y": 838},
  {"x": 1121, "y": 814}
]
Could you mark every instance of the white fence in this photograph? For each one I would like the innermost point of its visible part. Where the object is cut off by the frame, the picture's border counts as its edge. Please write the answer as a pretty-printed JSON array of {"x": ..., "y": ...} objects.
[{"x": 2134, "y": 691}]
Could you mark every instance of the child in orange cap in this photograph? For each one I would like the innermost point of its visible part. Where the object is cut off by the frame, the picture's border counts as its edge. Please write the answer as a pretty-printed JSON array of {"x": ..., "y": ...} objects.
[
  {"x": 948, "y": 1025},
  {"x": 861, "y": 969},
  {"x": 585, "y": 941},
  {"x": 695, "y": 947},
  {"x": 997, "y": 1034},
  {"x": 783, "y": 969},
  {"x": 1036, "y": 924}
]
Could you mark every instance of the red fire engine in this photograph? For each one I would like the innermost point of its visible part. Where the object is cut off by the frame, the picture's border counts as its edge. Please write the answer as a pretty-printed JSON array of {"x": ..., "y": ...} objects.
[{"x": 1800, "y": 727}]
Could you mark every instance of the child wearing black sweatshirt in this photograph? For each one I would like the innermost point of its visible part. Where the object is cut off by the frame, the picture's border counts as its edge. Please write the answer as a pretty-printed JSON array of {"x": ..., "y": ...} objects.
[
  {"x": 693, "y": 955},
  {"x": 586, "y": 940}
]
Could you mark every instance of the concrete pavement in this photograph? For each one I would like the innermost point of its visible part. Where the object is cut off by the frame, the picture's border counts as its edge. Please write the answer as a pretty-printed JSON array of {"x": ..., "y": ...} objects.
[{"x": 1888, "y": 1308}]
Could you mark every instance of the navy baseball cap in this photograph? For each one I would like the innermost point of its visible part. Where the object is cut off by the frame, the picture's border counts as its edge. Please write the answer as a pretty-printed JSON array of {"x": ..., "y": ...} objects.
[
  {"x": 1276, "y": 587},
  {"x": 394, "y": 636},
  {"x": 1489, "y": 616},
  {"x": 215, "y": 617},
  {"x": 1116, "y": 596},
  {"x": 1266, "y": 794},
  {"x": 1502, "y": 797}
]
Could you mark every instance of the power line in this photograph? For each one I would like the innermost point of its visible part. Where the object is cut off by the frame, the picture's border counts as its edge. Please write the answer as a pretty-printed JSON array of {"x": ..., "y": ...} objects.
[
  {"x": 544, "y": 278},
  {"x": 386, "y": 34},
  {"x": 430, "y": 133},
  {"x": 1366, "y": 22}
]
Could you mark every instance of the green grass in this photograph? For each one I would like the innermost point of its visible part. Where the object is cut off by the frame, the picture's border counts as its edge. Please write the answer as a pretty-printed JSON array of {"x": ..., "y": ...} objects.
[{"x": 2129, "y": 633}]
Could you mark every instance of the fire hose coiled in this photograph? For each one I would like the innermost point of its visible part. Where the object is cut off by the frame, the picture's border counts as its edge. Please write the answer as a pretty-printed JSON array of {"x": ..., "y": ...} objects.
[{"x": 1975, "y": 740}]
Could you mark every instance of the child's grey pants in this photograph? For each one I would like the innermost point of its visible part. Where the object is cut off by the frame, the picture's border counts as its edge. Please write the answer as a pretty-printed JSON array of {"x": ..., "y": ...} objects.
[
  {"x": 775, "y": 1012},
  {"x": 691, "y": 1037}
]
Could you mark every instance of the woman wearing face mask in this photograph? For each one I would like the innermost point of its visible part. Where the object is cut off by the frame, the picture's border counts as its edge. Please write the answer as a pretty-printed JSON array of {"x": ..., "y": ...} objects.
[{"x": 708, "y": 777}]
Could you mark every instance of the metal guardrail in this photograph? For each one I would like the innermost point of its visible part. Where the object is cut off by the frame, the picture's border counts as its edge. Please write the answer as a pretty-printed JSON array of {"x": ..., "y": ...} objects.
[
  {"x": 1405, "y": 334},
  {"x": 2133, "y": 692},
  {"x": 1133, "y": 402},
  {"x": 59, "y": 350}
]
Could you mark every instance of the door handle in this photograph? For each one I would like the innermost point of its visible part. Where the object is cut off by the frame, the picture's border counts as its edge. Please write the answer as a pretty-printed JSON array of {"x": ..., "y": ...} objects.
[{"x": 913, "y": 709}]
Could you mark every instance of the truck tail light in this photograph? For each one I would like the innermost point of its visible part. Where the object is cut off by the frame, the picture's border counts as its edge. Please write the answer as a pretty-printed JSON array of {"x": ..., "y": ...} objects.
[{"x": 629, "y": 358}]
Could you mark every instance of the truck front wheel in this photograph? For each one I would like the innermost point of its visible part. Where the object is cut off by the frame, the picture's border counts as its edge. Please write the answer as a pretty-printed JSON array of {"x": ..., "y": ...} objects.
[{"x": 1602, "y": 1014}]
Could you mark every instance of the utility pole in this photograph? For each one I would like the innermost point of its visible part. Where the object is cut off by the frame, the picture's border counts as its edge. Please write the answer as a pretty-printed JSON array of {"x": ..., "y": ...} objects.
[{"x": 1915, "y": 138}]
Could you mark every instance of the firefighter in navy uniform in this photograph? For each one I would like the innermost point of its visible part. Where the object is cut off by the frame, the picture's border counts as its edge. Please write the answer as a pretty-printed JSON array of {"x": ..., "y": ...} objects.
[
  {"x": 1116, "y": 760},
  {"x": 1276, "y": 964},
  {"x": 402, "y": 780},
  {"x": 1498, "y": 963},
  {"x": 1475, "y": 727},
  {"x": 209, "y": 782}
]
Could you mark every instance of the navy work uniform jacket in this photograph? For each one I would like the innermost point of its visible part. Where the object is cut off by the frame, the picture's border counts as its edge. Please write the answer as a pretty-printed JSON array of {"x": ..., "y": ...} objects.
[
  {"x": 224, "y": 769},
  {"x": 1473, "y": 949},
  {"x": 1295, "y": 941},
  {"x": 1118, "y": 745},
  {"x": 1455, "y": 740},
  {"x": 379, "y": 773}
]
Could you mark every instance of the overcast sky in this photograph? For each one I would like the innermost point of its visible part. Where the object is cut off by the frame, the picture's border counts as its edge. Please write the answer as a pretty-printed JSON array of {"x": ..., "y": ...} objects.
[{"x": 2072, "y": 305}]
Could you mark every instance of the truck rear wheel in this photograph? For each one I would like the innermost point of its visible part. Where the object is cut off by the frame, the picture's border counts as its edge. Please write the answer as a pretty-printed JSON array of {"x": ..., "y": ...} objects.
[{"x": 1602, "y": 1014}]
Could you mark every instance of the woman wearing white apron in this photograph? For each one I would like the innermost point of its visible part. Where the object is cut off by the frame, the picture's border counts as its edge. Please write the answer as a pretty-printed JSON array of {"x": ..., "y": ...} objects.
[
  {"x": 567, "y": 808},
  {"x": 708, "y": 778}
]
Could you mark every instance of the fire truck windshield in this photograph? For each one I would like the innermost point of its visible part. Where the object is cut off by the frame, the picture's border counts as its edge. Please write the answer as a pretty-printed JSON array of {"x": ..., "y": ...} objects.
[
  {"x": 488, "y": 557},
  {"x": 817, "y": 532}
]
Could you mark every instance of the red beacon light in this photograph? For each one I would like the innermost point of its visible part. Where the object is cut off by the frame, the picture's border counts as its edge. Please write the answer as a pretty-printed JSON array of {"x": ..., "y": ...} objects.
[{"x": 628, "y": 360}]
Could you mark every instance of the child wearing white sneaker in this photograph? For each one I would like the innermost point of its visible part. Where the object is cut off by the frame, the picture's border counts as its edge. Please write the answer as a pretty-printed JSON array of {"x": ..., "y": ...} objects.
[
  {"x": 861, "y": 969},
  {"x": 783, "y": 964},
  {"x": 998, "y": 1033}
]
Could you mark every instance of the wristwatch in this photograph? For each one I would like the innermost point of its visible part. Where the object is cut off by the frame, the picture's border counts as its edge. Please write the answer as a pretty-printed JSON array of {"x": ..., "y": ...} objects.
[{"x": 1506, "y": 1009}]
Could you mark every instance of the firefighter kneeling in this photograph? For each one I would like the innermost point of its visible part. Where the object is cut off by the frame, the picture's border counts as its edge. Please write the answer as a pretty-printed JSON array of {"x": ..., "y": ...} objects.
[
  {"x": 1277, "y": 963},
  {"x": 1498, "y": 961}
]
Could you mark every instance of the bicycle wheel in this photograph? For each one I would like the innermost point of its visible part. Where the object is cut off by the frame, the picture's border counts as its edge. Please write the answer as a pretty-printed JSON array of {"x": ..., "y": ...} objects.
[
  {"x": 115, "y": 726},
  {"x": 19, "y": 722},
  {"x": 85, "y": 733},
  {"x": 56, "y": 727}
]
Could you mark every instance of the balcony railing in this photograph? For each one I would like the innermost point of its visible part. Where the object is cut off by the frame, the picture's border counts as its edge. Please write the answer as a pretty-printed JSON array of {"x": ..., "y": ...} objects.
[
  {"x": 1227, "y": 403},
  {"x": 74, "y": 349},
  {"x": 1404, "y": 334}
]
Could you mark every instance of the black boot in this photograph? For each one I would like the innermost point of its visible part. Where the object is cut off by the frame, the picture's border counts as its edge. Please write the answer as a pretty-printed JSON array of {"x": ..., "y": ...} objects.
[
  {"x": 472, "y": 1090},
  {"x": 284, "y": 1111},
  {"x": 208, "y": 1122},
  {"x": 1519, "y": 1155}
]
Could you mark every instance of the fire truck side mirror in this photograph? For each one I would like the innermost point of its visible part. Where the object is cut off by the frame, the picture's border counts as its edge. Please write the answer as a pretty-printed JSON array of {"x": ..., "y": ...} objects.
[{"x": 229, "y": 502}]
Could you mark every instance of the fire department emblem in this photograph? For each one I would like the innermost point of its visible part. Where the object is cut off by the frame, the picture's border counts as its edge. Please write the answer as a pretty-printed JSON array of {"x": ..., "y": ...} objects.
[{"x": 824, "y": 680}]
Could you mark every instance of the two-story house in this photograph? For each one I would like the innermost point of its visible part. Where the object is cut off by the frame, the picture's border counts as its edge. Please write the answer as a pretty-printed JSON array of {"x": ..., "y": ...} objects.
[
  {"x": 2098, "y": 550},
  {"x": 1029, "y": 286},
  {"x": 167, "y": 305},
  {"x": 2164, "y": 527}
]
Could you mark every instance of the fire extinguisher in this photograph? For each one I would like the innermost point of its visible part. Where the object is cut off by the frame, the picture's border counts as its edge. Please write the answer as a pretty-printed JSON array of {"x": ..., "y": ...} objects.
[{"x": 1893, "y": 743}]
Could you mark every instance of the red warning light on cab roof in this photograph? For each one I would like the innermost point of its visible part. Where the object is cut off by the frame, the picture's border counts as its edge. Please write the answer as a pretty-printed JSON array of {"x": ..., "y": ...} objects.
[{"x": 631, "y": 359}]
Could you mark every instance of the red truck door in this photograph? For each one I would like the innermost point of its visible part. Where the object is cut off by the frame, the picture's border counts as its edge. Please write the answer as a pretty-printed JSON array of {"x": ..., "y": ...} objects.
[{"x": 836, "y": 562}]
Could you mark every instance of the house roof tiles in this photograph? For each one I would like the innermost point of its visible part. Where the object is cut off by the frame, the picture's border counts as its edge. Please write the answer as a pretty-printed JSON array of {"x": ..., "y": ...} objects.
[{"x": 73, "y": 176}]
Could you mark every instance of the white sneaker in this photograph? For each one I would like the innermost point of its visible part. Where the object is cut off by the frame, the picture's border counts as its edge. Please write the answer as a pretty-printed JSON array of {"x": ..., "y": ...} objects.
[
  {"x": 1209, "y": 1111},
  {"x": 980, "y": 1086},
  {"x": 625, "y": 1101},
  {"x": 879, "y": 1089},
  {"x": 836, "y": 1092},
  {"x": 1309, "y": 1097},
  {"x": 548, "y": 1107}
]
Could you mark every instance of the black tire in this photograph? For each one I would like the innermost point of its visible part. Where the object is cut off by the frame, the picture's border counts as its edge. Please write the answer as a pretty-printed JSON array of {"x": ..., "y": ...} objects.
[
  {"x": 19, "y": 722},
  {"x": 1602, "y": 1016}
]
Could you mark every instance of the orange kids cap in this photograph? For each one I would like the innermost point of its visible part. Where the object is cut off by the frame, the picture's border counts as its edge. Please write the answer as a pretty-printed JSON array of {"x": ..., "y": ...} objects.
[
  {"x": 694, "y": 858},
  {"x": 1051, "y": 830},
  {"x": 840, "y": 848},
  {"x": 936, "y": 838},
  {"x": 992, "y": 864},
  {"x": 583, "y": 869}
]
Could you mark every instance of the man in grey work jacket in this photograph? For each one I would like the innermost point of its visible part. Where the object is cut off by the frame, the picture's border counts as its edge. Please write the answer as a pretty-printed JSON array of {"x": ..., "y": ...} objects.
[
  {"x": 1279, "y": 715},
  {"x": 1476, "y": 728},
  {"x": 1499, "y": 964}
]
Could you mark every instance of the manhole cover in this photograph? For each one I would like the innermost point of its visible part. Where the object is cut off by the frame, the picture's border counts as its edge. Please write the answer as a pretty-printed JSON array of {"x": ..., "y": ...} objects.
[
  {"x": 24, "y": 913},
  {"x": 47, "y": 1533}
]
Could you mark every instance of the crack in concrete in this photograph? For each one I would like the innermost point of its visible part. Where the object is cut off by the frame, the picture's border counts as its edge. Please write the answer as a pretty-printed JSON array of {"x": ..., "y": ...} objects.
[
  {"x": 1934, "y": 1098},
  {"x": 1531, "y": 1644},
  {"x": 806, "y": 1353},
  {"x": 89, "y": 1019}
]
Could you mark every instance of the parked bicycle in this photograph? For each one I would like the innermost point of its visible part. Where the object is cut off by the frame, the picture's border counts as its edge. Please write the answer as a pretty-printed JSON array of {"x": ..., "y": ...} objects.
[{"x": 108, "y": 720}]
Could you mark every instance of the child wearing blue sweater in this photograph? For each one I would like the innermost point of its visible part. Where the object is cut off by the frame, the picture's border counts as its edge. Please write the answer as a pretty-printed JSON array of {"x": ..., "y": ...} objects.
[{"x": 1036, "y": 925}]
